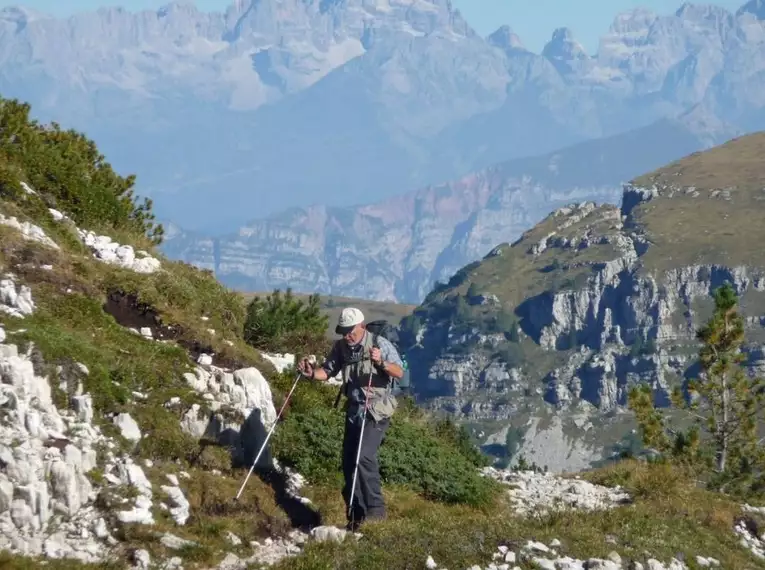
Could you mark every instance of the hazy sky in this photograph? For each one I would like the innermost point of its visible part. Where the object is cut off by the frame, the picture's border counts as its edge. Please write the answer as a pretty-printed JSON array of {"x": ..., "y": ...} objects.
[{"x": 533, "y": 21}]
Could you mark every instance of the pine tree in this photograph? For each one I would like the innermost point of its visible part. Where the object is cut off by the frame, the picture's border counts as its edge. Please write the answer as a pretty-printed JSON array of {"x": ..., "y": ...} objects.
[
  {"x": 725, "y": 397},
  {"x": 724, "y": 402},
  {"x": 284, "y": 323}
]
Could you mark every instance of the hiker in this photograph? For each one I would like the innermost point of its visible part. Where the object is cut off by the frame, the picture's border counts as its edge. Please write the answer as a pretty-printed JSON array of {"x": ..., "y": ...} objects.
[{"x": 359, "y": 353}]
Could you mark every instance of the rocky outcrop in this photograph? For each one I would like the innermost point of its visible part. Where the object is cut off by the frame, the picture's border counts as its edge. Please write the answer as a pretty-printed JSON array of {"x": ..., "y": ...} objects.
[
  {"x": 28, "y": 230},
  {"x": 598, "y": 307},
  {"x": 541, "y": 555},
  {"x": 52, "y": 504},
  {"x": 46, "y": 498}
]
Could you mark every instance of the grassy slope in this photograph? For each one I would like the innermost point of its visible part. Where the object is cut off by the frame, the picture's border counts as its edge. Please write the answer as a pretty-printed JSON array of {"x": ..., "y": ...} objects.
[
  {"x": 78, "y": 321},
  {"x": 669, "y": 518},
  {"x": 670, "y": 223},
  {"x": 70, "y": 325},
  {"x": 673, "y": 224}
]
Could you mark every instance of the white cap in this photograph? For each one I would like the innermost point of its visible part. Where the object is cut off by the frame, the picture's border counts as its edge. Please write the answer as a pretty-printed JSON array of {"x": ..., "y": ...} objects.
[{"x": 349, "y": 318}]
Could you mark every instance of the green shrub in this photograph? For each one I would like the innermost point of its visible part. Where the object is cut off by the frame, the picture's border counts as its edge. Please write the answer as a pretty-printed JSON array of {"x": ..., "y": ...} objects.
[
  {"x": 311, "y": 442},
  {"x": 415, "y": 456},
  {"x": 68, "y": 171},
  {"x": 435, "y": 459},
  {"x": 284, "y": 323}
]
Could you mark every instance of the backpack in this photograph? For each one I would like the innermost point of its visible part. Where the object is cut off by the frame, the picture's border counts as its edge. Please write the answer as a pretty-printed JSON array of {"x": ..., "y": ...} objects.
[{"x": 387, "y": 331}]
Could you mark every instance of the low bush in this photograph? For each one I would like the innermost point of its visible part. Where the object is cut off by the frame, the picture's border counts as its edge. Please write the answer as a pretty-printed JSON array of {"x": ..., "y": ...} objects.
[
  {"x": 282, "y": 323},
  {"x": 68, "y": 171}
]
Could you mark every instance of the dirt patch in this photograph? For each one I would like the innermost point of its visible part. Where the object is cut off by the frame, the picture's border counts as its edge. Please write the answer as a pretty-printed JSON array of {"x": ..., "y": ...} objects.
[{"x": 129, "y": 312}]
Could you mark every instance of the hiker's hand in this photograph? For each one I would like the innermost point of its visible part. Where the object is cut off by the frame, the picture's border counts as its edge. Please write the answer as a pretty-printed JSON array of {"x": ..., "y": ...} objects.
[
  {"x": 376, "y": 355},
  {"x": 305, "y": 367}
]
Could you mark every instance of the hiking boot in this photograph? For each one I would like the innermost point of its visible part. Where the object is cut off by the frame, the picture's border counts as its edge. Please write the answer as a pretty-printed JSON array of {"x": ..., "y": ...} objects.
[{"x": 376, "y": 516}]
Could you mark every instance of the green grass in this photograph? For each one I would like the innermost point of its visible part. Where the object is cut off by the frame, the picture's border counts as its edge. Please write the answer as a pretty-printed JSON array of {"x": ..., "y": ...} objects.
[
  {"x": 686, "y": 230},
  {"x": 77, "y": 321},
  {"x": 419, "y": 453},
  {"x": 669, "y": 517}
]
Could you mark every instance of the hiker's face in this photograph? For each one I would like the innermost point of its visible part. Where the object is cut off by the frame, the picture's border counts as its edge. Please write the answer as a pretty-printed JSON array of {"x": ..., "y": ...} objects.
[{"x": 354, "y": 336}]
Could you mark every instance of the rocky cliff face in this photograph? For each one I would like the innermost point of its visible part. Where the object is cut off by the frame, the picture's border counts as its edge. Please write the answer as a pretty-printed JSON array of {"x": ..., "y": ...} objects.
[
  {"x": 395, "y": 250},
  {"x": 593, "y": 300}
]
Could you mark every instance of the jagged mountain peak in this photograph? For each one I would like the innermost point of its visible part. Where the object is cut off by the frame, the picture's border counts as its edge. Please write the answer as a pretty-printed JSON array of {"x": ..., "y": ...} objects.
[
  {"x": 633, "y": 19},
  {"x": 183, "y": 6},
  {"x": 564, "y": 45},
  {"x": 563, "y": 34},
  {"x": 565, "y": 53},
  {"x": 505, "y": 38},
  {"x": 692, "y": 11},
  {"x": 21, "y": 14}
]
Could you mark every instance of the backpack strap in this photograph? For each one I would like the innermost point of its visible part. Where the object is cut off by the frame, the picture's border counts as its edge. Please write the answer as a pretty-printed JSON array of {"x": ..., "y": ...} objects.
[{"x": 391, "y": 379}]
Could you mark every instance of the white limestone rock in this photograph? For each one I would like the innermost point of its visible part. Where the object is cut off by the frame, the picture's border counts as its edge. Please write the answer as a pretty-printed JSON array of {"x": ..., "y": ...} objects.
[
  {"x": 111, "y": 252},
  {"x": 46, "y": 498},
  {"x": 180, "y": 509},
  {"x": 281, "y": 362},
  {"x": 538, "y": 493},
  {"x": 29, "y": 231},
  {"x": 15, "y": 301},
  {"x": 128, "y": 427}
]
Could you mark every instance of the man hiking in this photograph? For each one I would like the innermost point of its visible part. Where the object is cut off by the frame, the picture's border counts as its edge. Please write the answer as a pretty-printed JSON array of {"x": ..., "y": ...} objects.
[{"x": 361, "y": 355}]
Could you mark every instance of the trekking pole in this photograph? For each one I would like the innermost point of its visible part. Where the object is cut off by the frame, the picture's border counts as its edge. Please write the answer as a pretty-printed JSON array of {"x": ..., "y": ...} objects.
[
  {"x": 263, "y": 447},
  {"x": 358, "y": 451}
]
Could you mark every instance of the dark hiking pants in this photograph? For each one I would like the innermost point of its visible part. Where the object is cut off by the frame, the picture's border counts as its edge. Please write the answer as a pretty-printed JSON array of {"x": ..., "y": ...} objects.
[{"x": 367, "y": 499}]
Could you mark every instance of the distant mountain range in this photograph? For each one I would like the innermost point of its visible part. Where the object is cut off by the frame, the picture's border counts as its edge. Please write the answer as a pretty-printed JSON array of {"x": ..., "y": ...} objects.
[
  {"x": 332, "y": 105},
  {"x": 396, "y": 249}
]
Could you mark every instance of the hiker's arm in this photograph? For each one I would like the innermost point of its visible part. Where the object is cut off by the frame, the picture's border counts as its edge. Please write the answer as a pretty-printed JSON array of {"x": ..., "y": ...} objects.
[
  {"x": 330, "y": 367},
  {"x": 320, "y": 374},
  {"x": 313, "y": 372},
  {"x": 391, "y": 361}
]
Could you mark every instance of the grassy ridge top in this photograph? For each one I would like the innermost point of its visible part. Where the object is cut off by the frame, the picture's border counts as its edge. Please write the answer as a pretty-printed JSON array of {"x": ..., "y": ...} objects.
[
  {"x": 709, "y": 208},
  {"x": 736, "y": 163},
  {"x": 548, "y": 257}
]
